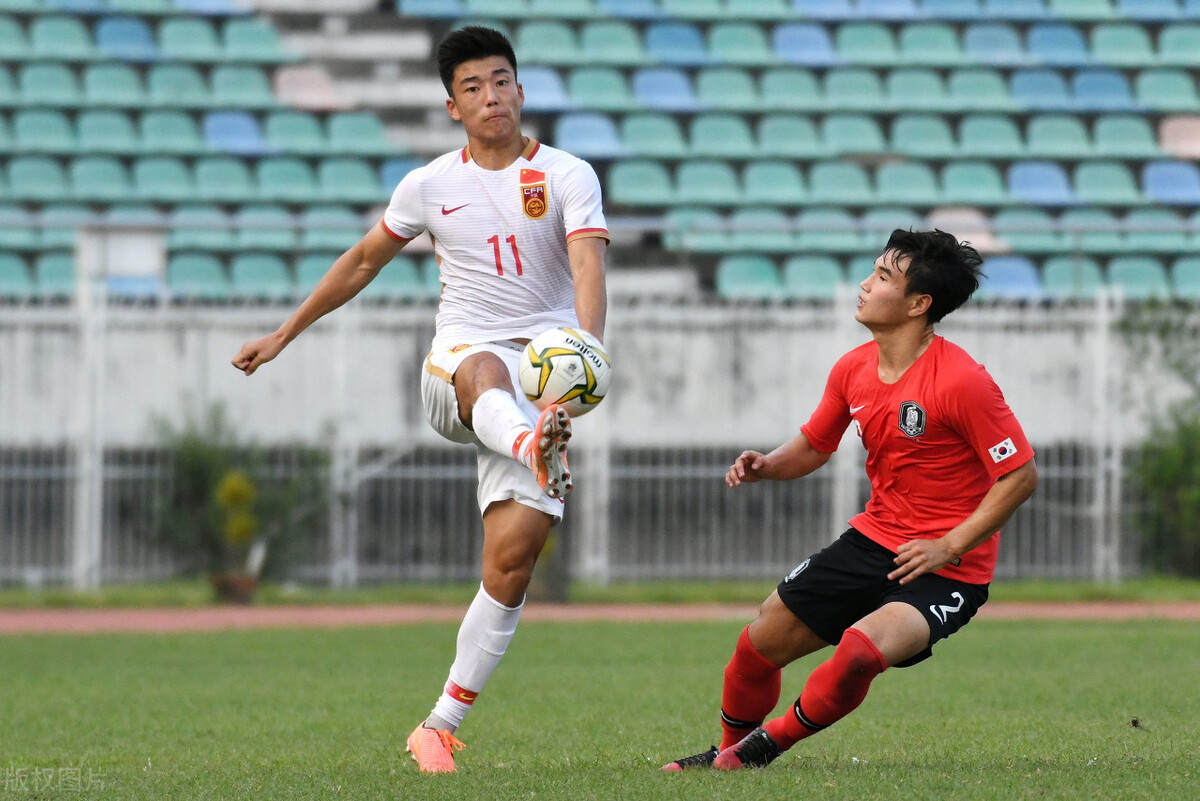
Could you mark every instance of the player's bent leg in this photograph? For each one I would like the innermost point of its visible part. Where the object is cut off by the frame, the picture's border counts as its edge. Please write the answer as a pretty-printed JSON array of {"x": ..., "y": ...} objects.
[
  {"x": 513, "y": 537},
  {"x": 898, "y": 630},
  {"x": 478, "y": 374}
]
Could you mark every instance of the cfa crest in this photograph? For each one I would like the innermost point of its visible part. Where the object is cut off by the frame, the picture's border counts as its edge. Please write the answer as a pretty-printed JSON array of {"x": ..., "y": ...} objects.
[
  {"x": 533, "y": 201},
  {"x": 912, "y": 419}
]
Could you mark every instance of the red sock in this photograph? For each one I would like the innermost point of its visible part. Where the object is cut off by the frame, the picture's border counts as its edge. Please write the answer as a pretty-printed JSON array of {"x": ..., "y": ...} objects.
[
  {"x": 751, "y": 691},
  {"x": 833, "y": 690}
]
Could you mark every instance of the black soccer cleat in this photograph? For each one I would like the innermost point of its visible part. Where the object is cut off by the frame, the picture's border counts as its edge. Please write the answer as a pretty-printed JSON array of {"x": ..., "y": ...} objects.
[
  {"x": 756, "y": 750},
  {"x": 703, "y": 760}
]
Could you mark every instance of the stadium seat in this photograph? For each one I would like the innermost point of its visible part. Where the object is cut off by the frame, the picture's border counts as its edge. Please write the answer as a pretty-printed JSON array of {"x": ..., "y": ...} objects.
[
  {"x": 1166, "y": 90},
  {"x": 676, "y": 43},
  {"x": 1101, "y": 90},
  {"x": 978, "y": 89},
  {"x": 349, "y": 180},
  {"x": 312, "y": 267},
  {"x": 244, "y": 87},
  {"x": 162, "y": 179},
  {"x": 178, "y": 86},
  {"x": 398, "y": 280},
  {"x": 1148, "y": 10},
  {"x": 199, "y": 227},
  {"x": 233, "y": 132},
  {"x": 773, "y": 183},
  {"x": 827, "y": 230},
  {"x": 125, "y": 38},
  {"x": 1009, "y": 278},
  {"x": 695, "y": 229},
  {"x": 803, "y": 43},
  {"x": 764, "y": 230},
  {"x": 295, "y": 132},
  {"x": 1155, "y": 231},
  {"x": 60, "y": 38},
  {"x": 36, "y": 178},
  {"x": 865, "y": 43},
  {"x": 48, "y": 85},
  {"x": 134, "y": 214},
  {"x": 1106, "y": 182},
  {"x": 1040, "y": 90},
  {"x": 916, "y": 90},
  {"x": 839, "y": 182},
  {"x": 739, "y": 43},
  {"x": 54, "y": 276},
  {"x": 1180, "y": 136},
  {"x": 1185, "y": 277},
  {"x": 721, "y": 136},
  {"x": 812, "y": 277},
  {"x": 1027, "y": 230},
  {"x": 223, "y": 178},
  {"x": 1172, "y": 182},
  {"x": 653, "y": 135},
  {"x": 887, "y": 9},
  {"x": 789, "y": 136},
  {"x": 106, "y": 132},
  {"x": 879, "y": 222},
  {"x": 330, "y": 227},
  {"x": 145, "y": 7},
  {"x": 823, "y": 9},
  {"x": 993, "y": 43},
  {"x": 950, "y": 9},
  {"x": 1071, "y": 277},
  {"x": 1179, "y": 44},
  {"x": 748, "y": 278},
  {"x": 765, "y": 10},
  {"x": 909, "y": 182},
  {"x": 600, "y": 89},
  {"x": 707, "y": 182},
  {"x": 989, "y": 135},
  {"x": 853, "y": 88},
  {"x": 264, "y": 227},
  {"x": 99, "y": 178},
  {"x": 170, "y": 132},
  {"x": 1091, "y": 231},
  {"x": 189, "y": 39},
  {"x": 544, "y": 89},
  {"x": 1139, "y": 277},
  {"x": 1124, "y": 136},
  {"x": 610, "y": 42},
  {"x": 1081, "y": 9},
  {"x": 727, "y": 89},
  {"x": 640, "y": 183},
  {"x": 588, "y": 134},
  {"x": 113, "y": 85},
  {"x": 43, "y": 131},
  {"x": 664, "y": 88},
  {"x": 1122, "y": 44},
  {"x": 284, "y": 178},
  {"x": 393, "y": 170},
  {"x": 432, "y": 8},
  {"x": 14, "y": 45},
  {"x": 1040, "y": 183},
  {"x": 261, "y": 276},
  {"x": 17, "y": 229},
  {"x": 60, "y": 225},
  {"x": 852, "y": 133},
  {"x": 973, "y": 182},
  {"x": 16, "y": 282},
  {"x": 931, "y": 43},
  {"x": 1057, "y": 43},
  {"x": 358, "y": 133},
  {"x": 1020, "y": 10},
  {"x": 1057, "y": 136},
  {"x": 197, "y": 276},
  {"x": 788, "y": 89},
  {"x": 922, "y": 135},
  {"x": 546, "y": 42},
  {"x": 563, "y": 9},
  {"x": 253, "y": 40}
]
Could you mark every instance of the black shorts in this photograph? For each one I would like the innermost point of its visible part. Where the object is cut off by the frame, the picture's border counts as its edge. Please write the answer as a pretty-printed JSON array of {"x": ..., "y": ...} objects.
[{"x": 838, "y": 586}]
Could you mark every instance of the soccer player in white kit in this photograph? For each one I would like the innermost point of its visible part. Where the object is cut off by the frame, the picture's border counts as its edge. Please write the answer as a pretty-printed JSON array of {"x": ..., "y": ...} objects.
[{"x": 520, "y": 238}]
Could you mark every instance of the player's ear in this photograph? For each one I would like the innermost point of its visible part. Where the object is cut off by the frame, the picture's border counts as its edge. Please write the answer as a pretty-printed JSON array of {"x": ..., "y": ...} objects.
[
  {"x": 520, "y": 95},
  {"x": 452, "y": 110},
  {"x": 919, "y": 304}
]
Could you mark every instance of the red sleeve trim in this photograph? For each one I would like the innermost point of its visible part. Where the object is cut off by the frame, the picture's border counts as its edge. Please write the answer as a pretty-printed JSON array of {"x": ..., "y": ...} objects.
[
  {"x": 393, "y": 234},
  {"x": 586, "y": 232}
]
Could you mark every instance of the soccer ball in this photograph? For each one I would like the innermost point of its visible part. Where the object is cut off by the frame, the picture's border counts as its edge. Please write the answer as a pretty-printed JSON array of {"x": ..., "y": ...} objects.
[{"x": 567, "y": 366}]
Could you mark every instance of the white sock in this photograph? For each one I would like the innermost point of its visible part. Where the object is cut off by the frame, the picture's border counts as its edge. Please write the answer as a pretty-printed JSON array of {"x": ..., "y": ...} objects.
[
  {"x": 483, "y": 637},
  {"x": 501, "y": 425}
]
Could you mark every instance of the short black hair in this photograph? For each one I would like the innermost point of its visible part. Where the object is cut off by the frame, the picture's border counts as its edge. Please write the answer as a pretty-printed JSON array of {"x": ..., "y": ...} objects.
[
  {"x": 467, "y": 44},
  {"x": 939, "y": 266}
]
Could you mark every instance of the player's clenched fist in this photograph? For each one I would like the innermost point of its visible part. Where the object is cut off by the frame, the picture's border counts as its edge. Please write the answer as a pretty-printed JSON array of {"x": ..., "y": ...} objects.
[
  {"x": 746, "y": 469},
  {"x": 258, "y": 352}
]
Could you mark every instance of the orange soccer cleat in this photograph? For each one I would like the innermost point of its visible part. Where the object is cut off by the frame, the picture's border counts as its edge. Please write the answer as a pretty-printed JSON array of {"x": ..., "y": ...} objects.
[
  {"x": 549, "y": 451},
  {"x": 433, "y": 749}
]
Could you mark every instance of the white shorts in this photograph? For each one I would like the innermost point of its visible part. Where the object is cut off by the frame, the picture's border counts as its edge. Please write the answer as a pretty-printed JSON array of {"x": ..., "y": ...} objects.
[{"x": 500, "y": 477}]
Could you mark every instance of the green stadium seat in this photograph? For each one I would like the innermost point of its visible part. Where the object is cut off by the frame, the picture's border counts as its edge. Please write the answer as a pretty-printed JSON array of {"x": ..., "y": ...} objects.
[
  {"x": 865, "y": 43},
  {"x": 311, "y": 268},
  {"x": 989, "y": 135},
  {"x": 748, "y": 278},
  {"x": 54, "y": 276},
  {"x": 1125, "y": 136},
  {"x": 178, "y": 86},
  {"x": 261, "y": 276},
  {"x": 1071, "y": 277},
  {"x": 223, "y": 178},
  {"x": 1027, "y": 230},
  {"x": 189, "y": 39},
  {"x": 36, "y": 178},
  {"x": 241, "y": 87},
  {"x": 1122, "y": 44},
  {"x": 1185, "y": 277},
  {"x": 1166, "y": 90},
  {"x": 61, "y": 39},
  {"x": 853, "y": 88},
  {"x": 170, "y": 132},
  {"x": 43, "y": 131},
  {"x": 349, "y": 180},
  {"x": 359, "y": 133},
  {"x": 698, "y": 230},
  {"x": 691, "y": 9},
  {"x": 14, "y": 45},
  {"x": 600, "y": 89},
  {"x": 515, "y": 9},
  {"x": 546, "y": 42},
  {"x": 721, "y": 136},
  {"x": 1091, "y": 231},
  {"x": 330, "y": 227},
  {"x": 1179, "y": 44},
  {"x": 262, "y": 227},
  {"x": 791, "y": 89},
  {"x": 16, "y": 282},
  {"x": 933, "y": 43},
  {"x": 1155, "y": 231},
  {"x": 1057, "y": 136},
  {"x": 113, "y": 85},
  {"x": 285, "y": 178},
  {"x": 398, "y": 280},
  {"x": 17, "y": 229},
  {"x": 979, "y": 90},
  {"x": 1106, "y": 182},
  {"x": 707, "y": 182},
  {"x": 612, "y": 42},
  {"x": 653, "y": 135},
  {"x": 199, "y": 227},
  {"x": 727, "y": 89},
  {"x": 562, "y": 9},
  {"x": 740, "y": 43},
  {"x": 812, "y": 277},
  {"x": 1139, "y": 277},
  {"x": 916, "y": 90},
  {"x": 197, "y": 276},
  {"x": 839, "y": 182},
  {"x": 789, "y": 136},
  {"x": 295, "y": 132},
  {"x": 134, "y": 214},
  {"x": 640, "y": 183},
  {"x": 255, "y": 40},
  {"x": 142, "y": 7},
  {"x": 164, "y": 179},
  {"x": 879, "y": 222},
  {"x": 827, "y": 230},
  {"x": 49, "y": 85},
  {"x": 99, "y": 178},
  {"x": 60, "y": 225},
  {"x": 773, "y": 183},
  {"x": 992, "y": 43},
  {"x": 973, "y": 183},
  {"x": 764, "y": 230},
  {"x": 910, "y": 182},
  {"x": 1083, "y": 10},
  {"x": 923, "y": 135},
  {"x": 106, "y": 132},
  {"x": 852, "y": 133}
]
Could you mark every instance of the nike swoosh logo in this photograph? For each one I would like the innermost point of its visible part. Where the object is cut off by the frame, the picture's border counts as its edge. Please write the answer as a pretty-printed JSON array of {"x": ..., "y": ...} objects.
[
  {"x": 856, "y": 409},
  {"x": 456, "y": 208}
]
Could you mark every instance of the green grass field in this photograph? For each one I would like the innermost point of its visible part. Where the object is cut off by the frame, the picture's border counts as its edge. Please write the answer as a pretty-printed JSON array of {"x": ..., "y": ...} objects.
[{"x": 1004, "y": 711}]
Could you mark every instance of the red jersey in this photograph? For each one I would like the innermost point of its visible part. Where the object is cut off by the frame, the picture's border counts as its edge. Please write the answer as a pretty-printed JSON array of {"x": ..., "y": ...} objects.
[{"x": 936, "y": 442}]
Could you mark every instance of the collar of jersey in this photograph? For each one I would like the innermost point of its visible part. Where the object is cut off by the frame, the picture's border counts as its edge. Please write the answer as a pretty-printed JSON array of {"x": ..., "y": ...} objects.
[{"x": 531, "y": 147}]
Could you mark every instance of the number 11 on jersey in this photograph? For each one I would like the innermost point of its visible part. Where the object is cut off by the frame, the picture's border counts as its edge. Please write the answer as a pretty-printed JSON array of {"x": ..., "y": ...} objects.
[{"x": 511, "y": 240}]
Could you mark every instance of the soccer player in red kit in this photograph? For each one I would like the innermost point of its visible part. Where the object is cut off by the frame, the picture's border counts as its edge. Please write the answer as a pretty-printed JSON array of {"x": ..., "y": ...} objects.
[{"x": 948, "y": 465}]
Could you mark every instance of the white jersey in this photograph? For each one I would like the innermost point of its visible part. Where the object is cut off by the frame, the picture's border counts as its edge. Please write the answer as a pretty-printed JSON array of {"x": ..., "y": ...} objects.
[{"x": 501, "y": 238}]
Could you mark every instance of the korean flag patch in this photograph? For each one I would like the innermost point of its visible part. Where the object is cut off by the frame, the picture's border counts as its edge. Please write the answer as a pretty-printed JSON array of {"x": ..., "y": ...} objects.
[{"x": 1002, "y": 450}]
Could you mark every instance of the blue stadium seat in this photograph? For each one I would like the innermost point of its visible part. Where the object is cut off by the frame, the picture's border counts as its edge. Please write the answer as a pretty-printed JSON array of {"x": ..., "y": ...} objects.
[
  {"x": 1057, "y": 43},
  {"x": 448, "y": 9},
  {"x": 664, "y": 88},
  {"x": 1014, "y": 9},
  {"x": 1009, "y": 278},
  {"x": 588, "y": 135},
  {"x": 803, "y": 43},
  {"x": 1101, "y": 90},
  {"x": 1149, "y": 10},
  {"x": 233, "y": 132},
  {"x": 823, "y": 9},
  {"x": 677, "y": 43},
  {"x": 993, "y": 43},
  {"x": 1173, "y": 182},
  {"x": 1040, "y": 90},
  {"x": 1041, "y": 183},
  {"x": 544, "y": 90},
  {"x": 951, "y": 9},
  {"x": 887, "y": 9},
  {"x": 393, "y": 170},
  {"x": 125, "y": 38}
]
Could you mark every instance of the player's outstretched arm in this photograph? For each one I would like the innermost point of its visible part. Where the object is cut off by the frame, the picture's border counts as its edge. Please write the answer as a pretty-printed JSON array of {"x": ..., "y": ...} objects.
[
  {"x": 586, "y": 255},
  {"x": 794, "y": 458},
  {"x": 352, "y": 271}
]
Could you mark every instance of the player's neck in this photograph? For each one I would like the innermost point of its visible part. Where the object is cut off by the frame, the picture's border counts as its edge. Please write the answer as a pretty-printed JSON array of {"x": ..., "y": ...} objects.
[
  {"x": 496, "y": 155},
  {"x": 900, "y": 347}
]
